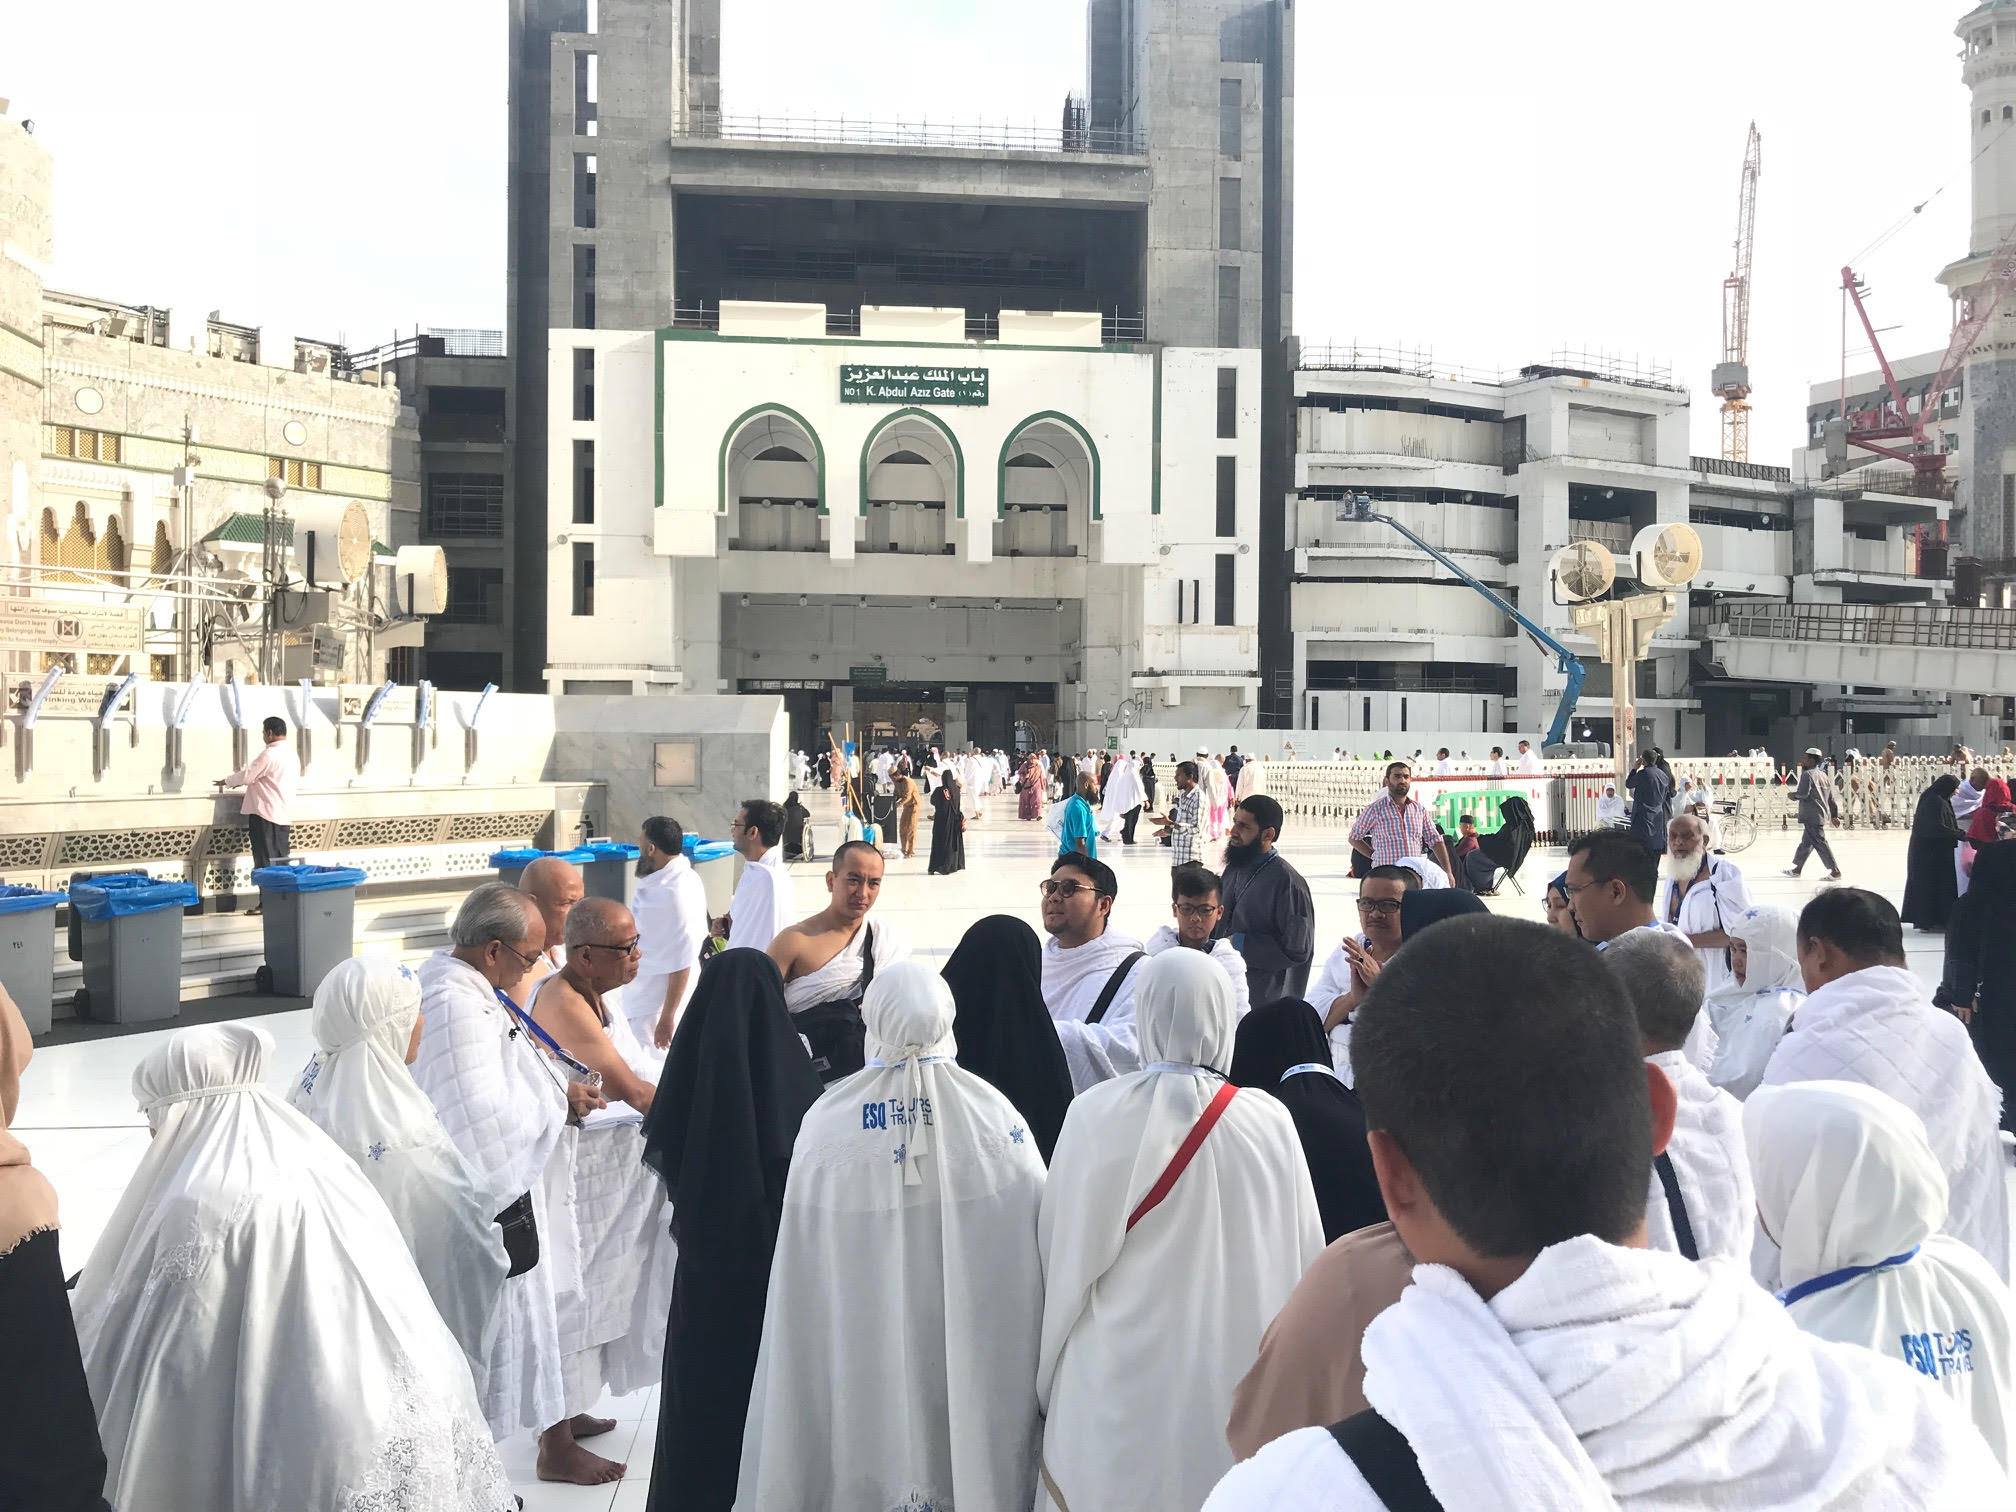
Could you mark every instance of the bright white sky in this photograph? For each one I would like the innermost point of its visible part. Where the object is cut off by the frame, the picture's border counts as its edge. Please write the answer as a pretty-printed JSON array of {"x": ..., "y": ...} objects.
[{"x": 1490, "y": 181}]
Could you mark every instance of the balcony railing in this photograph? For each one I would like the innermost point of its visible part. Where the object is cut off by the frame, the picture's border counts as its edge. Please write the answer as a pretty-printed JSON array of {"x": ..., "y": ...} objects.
[
  {"x": 1762, "y": 472},
  {"x": 1937, "y": 627},
  {"x": 977, "y": 136},
  {"x": 1116, "y": 327}
]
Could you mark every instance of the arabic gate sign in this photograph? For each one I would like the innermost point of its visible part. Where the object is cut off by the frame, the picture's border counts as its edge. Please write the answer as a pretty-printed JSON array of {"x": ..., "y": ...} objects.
[{"x": 862, "y": 383}]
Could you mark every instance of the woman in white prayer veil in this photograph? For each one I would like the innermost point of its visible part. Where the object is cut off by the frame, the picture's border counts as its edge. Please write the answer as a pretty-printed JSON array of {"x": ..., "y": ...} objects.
[
  {"x": 356, "y": 1088},
  {"x": 1848, "y": 1186},
  {"x": 254, "y": 1331},
  {"x": 1161, "y": 1272},
  {"x": 1750, "y": 1011},
  {"x": 912, "y": 1200}
]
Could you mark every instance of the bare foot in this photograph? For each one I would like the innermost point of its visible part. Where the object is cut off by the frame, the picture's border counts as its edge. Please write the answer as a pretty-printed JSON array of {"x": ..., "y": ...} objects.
[
  {"x": 585, "y": 1426},
  {"x": 561, "y": 1459}
]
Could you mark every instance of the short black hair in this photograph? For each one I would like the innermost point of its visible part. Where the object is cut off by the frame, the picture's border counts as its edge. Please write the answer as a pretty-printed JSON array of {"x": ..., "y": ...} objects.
[
  {"x": 1860, "y": 924},
  {"x": 1193, "y": 879},
  {"x": 840, "y": 852},
  {"x": 1407, "y": 766},
  {"x": 1406, "y": 876},
  {"x": 665, "y": 833},
  {"x": 1497, "y": 750},
  {"x": 1265, "y": 811},
  {"x": 764, "y": 817},
  {"x": 1618, "y": 856},
  {"x": 273, "y": 724},
  {"x": 1097, "y": 872},
  {"x": 1189, "y": 769},
  {"x": 1459, "y": 1054},
  {"x": 1469, "y": 819},
  {"x": 1442, "y": 750}
]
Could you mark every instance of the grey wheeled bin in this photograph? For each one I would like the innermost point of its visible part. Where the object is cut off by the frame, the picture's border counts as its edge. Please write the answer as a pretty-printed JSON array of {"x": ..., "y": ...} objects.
[
  {"x": 131, "y": 945},
  {"x": 511, "y": 863},
  {"x": 613, "y": 871},
  {"x": 310, "y": 914},
  {"x": 28, "y": 950},
  {"x": 714, "y": 864}
]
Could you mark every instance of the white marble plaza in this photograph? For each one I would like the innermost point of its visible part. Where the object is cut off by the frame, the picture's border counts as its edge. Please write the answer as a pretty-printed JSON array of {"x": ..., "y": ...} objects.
[{"x": 78, "y": 1118}]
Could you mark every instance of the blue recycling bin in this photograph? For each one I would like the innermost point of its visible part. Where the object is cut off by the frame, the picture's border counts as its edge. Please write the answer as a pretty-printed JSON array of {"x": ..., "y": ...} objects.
[
  {"x": 130, "y": 941},
  {"x": 612, "y": 871},
  {"x": 28, "y": 950},
  {"x": 512, "y": 861},
  {"x": 310, "y": 918}
]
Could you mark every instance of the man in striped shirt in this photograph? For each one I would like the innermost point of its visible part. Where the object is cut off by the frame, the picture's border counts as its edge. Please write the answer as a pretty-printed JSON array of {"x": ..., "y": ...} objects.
[
  {"x": 1179, "y": 826},
  {"x": 1395, "y": 827}
]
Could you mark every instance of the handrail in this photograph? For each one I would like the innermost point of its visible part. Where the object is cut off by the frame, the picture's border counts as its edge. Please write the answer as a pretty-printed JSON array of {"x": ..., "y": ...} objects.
[{"x": 1095, "y": 141}]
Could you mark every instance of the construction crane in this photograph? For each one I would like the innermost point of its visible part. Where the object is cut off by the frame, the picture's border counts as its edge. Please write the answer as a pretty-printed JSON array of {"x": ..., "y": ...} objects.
[
  {"x": 1896, "y": 420},
  {"x": 1732, "y": 373}
]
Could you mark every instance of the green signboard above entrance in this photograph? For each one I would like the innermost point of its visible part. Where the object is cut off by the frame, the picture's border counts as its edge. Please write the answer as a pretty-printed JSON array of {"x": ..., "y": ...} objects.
[
  {"x": 863, "y": 383},
  {"x": 867, "y": 674}
]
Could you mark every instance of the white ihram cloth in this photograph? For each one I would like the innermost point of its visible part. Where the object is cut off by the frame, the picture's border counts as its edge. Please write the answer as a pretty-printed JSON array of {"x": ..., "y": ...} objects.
[
  {"x": 505, "y": 1109},
  {"x": 840, "y": 976},
  {"x": 1146, "y": 1332},
  {"x": 913, "y": 1194},
  {"x": 761, "y": 907},
  {"x": 1750, "y": 1016},
  {"x": 1529, "y": 764},
  {"x": 1334, "y": 983},
  {"x": 611, "y": 1224},
  {"x": 253, "y": 1329},
  {"x": 1221, "y": 951},
  {"x": 1123, "y": 792},
  {"x": 1630, "y": 1379},
  {"x": 1252, "y": 777},
  {"x": 1716, "y": 900},
  {"x": 670, "y": 907},
  {"x": 357, "y": 1089},
  {"x": 1072, "y": 982},
  {"x": 1874, "y": 1026},
  {"x": 1709, "y": 1163},
  {"x": 1846, "y": 1181}
]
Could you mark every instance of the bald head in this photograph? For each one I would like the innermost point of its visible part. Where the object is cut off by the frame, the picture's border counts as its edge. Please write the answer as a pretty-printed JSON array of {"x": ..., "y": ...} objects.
[{"x": 554, "y": 886}]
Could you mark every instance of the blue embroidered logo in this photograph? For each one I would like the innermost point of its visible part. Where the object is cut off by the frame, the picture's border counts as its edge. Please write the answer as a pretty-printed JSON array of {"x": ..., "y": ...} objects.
[
  {"x": 1939, "y": 1355},
  {"x": 1015, "y": 1134},
  {"x": 899, "y": 1153},
  {"x": 313, "y": 1070},
  {"x": 894, "y": 1111},
  {"x": 377, "y": 1150}
]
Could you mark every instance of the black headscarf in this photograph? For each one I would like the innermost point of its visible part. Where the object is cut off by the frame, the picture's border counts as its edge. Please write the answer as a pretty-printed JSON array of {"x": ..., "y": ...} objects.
[
  {"x": 1288, "y": 1032},
  {"x": 1005, "y": 1034},
  {"x": 1422, "y": 906},
  {"x": 734, "y": 1089}
]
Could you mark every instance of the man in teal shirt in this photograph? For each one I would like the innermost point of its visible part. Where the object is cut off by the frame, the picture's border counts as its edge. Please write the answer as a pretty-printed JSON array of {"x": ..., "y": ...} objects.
[{"x": 1079, "y": 834}]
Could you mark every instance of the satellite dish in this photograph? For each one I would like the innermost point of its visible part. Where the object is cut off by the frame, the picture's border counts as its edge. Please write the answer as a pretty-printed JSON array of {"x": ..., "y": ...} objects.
[
  {"x": 1582, "y": 570},
  {"x": 1667, "y": 556}
]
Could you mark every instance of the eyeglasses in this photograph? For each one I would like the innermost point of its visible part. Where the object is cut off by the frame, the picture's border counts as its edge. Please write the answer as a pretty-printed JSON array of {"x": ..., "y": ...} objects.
[
  {"x": 1383, "y": 908},
  {"x": 529, "y": 960},
  {"x": 1050, "y": 887},
  {"x": 629, "y": 948},
  {"x": 1198, "y": 910},
  {"x": 1572, "y": 888}
]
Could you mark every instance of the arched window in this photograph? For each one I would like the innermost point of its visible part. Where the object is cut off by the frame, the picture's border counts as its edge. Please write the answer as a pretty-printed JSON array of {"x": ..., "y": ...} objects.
[
  {"x": 112, "y": 547},
  {"x": 78, "y": 549},
  {"x": 778, "y": 454},
  {"x": 162, "y": 560}
]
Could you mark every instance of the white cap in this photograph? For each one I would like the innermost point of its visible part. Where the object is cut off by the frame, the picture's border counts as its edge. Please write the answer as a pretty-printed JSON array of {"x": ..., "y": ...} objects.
[{"x": 1815, "y": 751}]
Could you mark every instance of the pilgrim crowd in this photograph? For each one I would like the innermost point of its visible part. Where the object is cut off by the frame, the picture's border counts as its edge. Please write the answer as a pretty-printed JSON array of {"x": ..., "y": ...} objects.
[{"x": 1672, "y": 1201}]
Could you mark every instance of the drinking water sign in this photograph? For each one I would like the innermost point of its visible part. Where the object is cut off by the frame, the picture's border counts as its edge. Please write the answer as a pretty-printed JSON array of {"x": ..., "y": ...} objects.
[{"x": 864, "y": 383}]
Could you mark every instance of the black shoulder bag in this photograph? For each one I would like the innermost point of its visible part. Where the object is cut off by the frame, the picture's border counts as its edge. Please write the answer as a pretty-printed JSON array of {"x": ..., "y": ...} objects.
[
  {"x": 1112, "y": 988},
  {"x": 1676, "y": 1206},
  {"x": 835, "y": 1030},
  {"x": 1386, "y": 1460}
]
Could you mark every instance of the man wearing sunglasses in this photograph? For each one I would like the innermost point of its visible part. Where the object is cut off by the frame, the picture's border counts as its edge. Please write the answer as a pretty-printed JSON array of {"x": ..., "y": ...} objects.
[{"x": 1088, "y": 971}]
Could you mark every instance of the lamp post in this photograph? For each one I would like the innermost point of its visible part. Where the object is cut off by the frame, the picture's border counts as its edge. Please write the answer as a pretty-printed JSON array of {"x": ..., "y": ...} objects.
[{"x": 271, "y": 564}]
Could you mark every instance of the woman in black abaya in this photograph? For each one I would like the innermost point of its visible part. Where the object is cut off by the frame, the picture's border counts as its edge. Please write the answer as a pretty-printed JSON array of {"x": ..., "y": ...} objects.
[
  {"x": 735, "y": 1086},
  {"x": 948, "y": 826},
  {"x": 1980, "y": 978},
  {"x": 1281, "y": 1049},
  {"x": 1005, "y": 1034},
  {"x": 1930, "y": 885}
]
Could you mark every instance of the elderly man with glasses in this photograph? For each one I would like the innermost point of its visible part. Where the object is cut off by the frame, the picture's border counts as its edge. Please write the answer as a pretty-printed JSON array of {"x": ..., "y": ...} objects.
[{"x": 1088, "y": 971}]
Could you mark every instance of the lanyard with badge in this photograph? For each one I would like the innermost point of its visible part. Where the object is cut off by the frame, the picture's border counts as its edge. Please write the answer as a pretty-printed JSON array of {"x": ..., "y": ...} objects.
[{"x": 576, "y": 1071}]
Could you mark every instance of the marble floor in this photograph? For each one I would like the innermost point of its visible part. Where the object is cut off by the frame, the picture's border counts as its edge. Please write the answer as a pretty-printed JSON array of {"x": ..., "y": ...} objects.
[{"x": 78, "y": 1119}]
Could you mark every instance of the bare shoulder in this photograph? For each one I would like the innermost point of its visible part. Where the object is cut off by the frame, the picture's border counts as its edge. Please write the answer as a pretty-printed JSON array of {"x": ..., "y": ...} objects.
[
  {"x": 559, "y": 1006},
  {"x": 788, "y": 944}
]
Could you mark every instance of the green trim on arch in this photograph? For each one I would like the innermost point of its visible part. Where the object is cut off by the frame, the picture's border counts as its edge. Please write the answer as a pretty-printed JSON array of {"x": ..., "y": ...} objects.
[
  {"x": 735, "y": 427},
  {"x": 1001, "y": 470},
  {"x": 958, "y": 454}
]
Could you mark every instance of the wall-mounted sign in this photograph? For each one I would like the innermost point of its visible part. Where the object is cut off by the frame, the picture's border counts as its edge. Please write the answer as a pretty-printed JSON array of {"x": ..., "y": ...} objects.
[
  {"x": 45, "y": 625},
  {"x": 675, "y": 763},
  {"x": 867, "y": 674},
  {"x": 73, "y": 697},
  {"x": 401, "y": 705},
  {"x": 863, "y": 383}
]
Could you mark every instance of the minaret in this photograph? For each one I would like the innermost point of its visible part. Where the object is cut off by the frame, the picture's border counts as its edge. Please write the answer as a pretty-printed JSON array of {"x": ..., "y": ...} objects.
[{"x": 1985, "y": 500}]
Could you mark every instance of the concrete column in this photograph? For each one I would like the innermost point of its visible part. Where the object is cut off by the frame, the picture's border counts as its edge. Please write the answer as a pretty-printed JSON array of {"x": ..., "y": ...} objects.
[
  {"x": 843, "y": 709},
  {"x": 955, "y": 719}
]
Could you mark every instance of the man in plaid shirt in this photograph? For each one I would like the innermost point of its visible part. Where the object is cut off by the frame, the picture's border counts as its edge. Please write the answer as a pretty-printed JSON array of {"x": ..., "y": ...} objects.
[
  {"x": 1179, "y": 826},
  {"x": 1395, "y": 827}
]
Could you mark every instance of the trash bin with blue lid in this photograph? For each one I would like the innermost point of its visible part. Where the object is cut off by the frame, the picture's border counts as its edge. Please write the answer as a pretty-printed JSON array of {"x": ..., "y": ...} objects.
[
  {"x": 28, "y": 950},
  {"x": 714, "y": 863},
  {"x": 612, "y": 871},
  {"x": 512, "y": 861},
  {"x": 130, "y": 941},
  {"x": 310, "y": 915}
]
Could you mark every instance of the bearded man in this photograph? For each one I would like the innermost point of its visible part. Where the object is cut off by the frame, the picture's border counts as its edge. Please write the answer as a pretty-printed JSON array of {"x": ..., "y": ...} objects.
[{"x": 1700, "y": 895}]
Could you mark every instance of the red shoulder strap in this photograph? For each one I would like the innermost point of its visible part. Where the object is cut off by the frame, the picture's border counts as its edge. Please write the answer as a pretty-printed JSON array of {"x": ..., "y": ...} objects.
[{"x": 1185, "y": 1153}]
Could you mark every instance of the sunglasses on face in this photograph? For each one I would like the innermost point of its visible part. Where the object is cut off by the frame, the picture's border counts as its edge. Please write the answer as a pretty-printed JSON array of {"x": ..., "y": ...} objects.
[{"x": 1051, "y": 888}]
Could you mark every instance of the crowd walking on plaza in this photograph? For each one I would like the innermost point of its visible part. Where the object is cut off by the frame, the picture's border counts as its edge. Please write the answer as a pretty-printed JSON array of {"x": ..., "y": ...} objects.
[{"x": 1674, "y": 1200}]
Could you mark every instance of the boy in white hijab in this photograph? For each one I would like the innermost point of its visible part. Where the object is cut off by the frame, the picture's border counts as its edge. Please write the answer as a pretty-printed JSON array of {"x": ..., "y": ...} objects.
[
  {"x": 1764, "y": 991},
  {"x": 357, "y": 1090},
  {"x": 253, "y": 1328},
  {"x": 913, "y": 1195},
  {"x": 1848, "y": 1186},
  {"x": 1177, "y": 1219},
  {"x": 1544, "y": 1357}
]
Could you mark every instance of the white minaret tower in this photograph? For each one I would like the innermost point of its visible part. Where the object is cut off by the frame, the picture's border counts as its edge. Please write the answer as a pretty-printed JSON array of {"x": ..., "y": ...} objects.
[{"x": 1985, "y": 500}]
